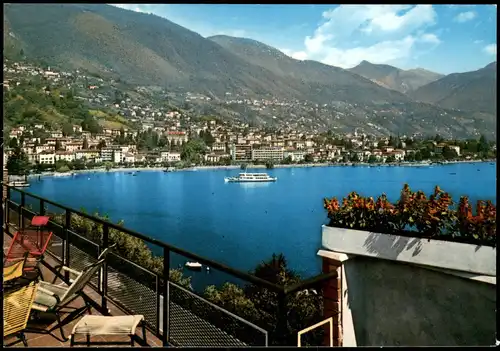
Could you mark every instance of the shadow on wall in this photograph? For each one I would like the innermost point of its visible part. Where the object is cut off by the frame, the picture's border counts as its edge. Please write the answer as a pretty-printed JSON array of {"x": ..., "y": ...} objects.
[
  {"x": 390, "y": 246},
  {"x": 397, "y": 304}
]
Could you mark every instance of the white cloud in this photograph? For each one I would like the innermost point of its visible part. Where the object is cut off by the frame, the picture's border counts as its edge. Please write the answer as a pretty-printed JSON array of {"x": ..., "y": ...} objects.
[
  {"x": 478, "y": 41},
  {"x": 490, "y": 49},
  {"x": 381, "y": 52},
  {"x": 430, "y": 38},
  {"x": 465, "y": 16},
  {"x": 389, "y": 33},
  {"x": 460, "y": 6},
  {"x": 144, "y": 8}
]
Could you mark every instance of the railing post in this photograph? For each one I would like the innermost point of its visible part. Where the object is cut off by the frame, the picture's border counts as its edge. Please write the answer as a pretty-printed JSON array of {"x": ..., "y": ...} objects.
[
  {"x": 6, "y": 205},
  {"x": 66, "y": 254},
  {"x": 21, "y": 208},
  {"x": 282, "y": 322},
  {"x": 166, "y": 296},
  {"x": 42, "y": 207},
  {"x": 105, "y": 244},
  {"x": 158, "y": 305}
]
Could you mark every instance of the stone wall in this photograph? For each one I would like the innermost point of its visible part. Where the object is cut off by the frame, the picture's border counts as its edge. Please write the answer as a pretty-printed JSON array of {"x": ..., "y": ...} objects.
[{"x": 388, "y": 303}]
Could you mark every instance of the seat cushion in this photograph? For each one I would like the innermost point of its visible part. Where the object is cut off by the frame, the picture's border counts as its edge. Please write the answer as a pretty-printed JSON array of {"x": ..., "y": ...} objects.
[{"x": 43, "y": 299}]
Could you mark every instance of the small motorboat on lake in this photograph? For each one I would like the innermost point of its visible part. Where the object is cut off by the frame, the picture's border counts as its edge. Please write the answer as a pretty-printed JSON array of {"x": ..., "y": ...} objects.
[{"x": 193, "y": 265}]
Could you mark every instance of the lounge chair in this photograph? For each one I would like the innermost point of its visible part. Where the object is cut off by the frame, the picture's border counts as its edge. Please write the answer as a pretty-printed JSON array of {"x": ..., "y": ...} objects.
[
  {"x": 17, "y": 306},
  {"x": 14, "y": 271},
  {"x": 72, "y": 272},
  {"x": 34, "y": 240},
  {"x": 54, "y": 299}
]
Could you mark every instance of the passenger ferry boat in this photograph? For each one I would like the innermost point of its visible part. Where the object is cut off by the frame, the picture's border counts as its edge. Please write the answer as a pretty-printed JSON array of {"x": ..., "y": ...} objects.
[{"x": 251, "y": 178}]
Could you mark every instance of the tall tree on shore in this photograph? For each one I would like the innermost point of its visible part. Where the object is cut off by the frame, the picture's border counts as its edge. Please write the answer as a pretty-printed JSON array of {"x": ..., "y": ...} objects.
[{"x": 18, "y": 163}]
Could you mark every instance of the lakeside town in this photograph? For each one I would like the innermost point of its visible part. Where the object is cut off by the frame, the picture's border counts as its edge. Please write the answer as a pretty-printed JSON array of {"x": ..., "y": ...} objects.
[{"x": 119, "y": 130}]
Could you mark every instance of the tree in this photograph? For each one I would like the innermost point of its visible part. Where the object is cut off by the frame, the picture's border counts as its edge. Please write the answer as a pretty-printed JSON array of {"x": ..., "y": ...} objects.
[
  {"x": 101, "y": 145},
  {"x": 393, "y": 141},
  {"x": 260, "y": 305},
  {"x": 390, "y": 159},
  {"x": 372, "y": 159},
  {"x": 449, "y": 153},
  {"x": 208, "y": 138},
  {"x": 418, "y": 156},
  {"x": 108, "y": 166},
  {"x": 62, "y": 166},
  {"x": 425, "y": 153},
  {"x": 354, "y": 157},
  {"x": 78, "y": 164},
  {"x": 89, "y": 124},
  {"x": 13, "y": 143},
  {"x": 67, "y": 129},
  {"x": 58, "y": 145},
  {"x": 85, "y": 144},
  {"x": 309, "y": 158},
  {"x": 18, "y": 163},
  {"x": 39, "y": 168},
  {"x": 482, "y": 145},
  {"x": 192, "y": 150}
]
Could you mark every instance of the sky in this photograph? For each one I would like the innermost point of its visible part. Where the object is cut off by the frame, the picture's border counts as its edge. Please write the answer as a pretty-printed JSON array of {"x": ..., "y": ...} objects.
[{"x": 439, "y": 38}]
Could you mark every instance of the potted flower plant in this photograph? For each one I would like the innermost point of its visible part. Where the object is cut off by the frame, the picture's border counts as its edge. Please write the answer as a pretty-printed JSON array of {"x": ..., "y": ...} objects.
[{"x": 416, "y": 229}]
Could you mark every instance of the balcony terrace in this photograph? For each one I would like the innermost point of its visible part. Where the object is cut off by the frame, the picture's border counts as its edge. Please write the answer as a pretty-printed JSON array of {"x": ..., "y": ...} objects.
[{"x": 126, "y": 287}]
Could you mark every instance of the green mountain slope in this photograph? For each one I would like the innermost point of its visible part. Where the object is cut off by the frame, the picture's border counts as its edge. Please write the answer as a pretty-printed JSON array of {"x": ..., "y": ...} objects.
[
  {"x": 469, "y": 91},
  {"x": 144, "y": 49},
  {"x": 395, "y": 78},
  {"x": 342, "y": 85},
  {"x": 149, "y": 50}
]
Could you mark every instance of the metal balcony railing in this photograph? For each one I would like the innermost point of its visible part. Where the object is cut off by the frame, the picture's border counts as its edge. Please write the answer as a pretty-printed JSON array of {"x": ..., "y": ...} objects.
[{"x": 191, "y": 319}]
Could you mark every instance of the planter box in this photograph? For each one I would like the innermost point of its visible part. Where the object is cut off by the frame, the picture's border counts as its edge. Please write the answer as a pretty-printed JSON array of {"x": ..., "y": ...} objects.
[{"x": 469, "y": 258}]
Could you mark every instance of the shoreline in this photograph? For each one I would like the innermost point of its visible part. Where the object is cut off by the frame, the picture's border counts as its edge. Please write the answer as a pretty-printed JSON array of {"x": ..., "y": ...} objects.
[{"x": 196, "y": 168}]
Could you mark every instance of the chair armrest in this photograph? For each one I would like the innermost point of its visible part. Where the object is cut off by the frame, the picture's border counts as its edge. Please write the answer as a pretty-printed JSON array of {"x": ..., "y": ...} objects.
[{"x": 70, "y": 270}]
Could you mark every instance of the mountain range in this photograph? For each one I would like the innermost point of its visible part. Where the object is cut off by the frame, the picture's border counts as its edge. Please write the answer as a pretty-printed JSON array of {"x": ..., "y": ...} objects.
[
  {"x": 144, "y": 49},
  {"x": 394, "y": 78}
]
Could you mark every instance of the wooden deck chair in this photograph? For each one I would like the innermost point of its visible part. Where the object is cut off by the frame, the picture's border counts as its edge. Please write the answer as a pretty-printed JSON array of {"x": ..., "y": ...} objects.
[
  {"x": 17, "y": 305},
  {"x": 55, "y": 299}
]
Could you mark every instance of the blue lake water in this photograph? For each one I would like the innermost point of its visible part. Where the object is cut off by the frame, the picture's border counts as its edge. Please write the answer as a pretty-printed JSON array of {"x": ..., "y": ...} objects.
[{"x": 243, "y": 224}]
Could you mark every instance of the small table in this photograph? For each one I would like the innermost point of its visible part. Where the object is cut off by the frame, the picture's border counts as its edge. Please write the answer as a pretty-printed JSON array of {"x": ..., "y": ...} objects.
[{"x": 91, "y": 325}]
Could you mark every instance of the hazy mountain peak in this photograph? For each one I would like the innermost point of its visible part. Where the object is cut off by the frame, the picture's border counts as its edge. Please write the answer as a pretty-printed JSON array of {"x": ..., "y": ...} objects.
[
  {"x": 468, "y": 91},
  {"x": 492, "y": 65}
]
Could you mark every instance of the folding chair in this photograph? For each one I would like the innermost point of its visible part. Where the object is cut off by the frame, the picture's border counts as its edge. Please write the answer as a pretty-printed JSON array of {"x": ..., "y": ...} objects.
[
  {"x": 33, "y": 240},
  {"x": 17, "y": 305},
  {"x": 55, "y": 299},
  {"x": 73, "y": 272},
  {"x": 13, "y": 272}
]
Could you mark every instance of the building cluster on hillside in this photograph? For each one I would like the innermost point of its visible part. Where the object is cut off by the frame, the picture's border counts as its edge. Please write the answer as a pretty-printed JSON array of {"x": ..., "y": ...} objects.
[
  {"x": 240, "y": 144},
  {"x": 236, "y": 141}
]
